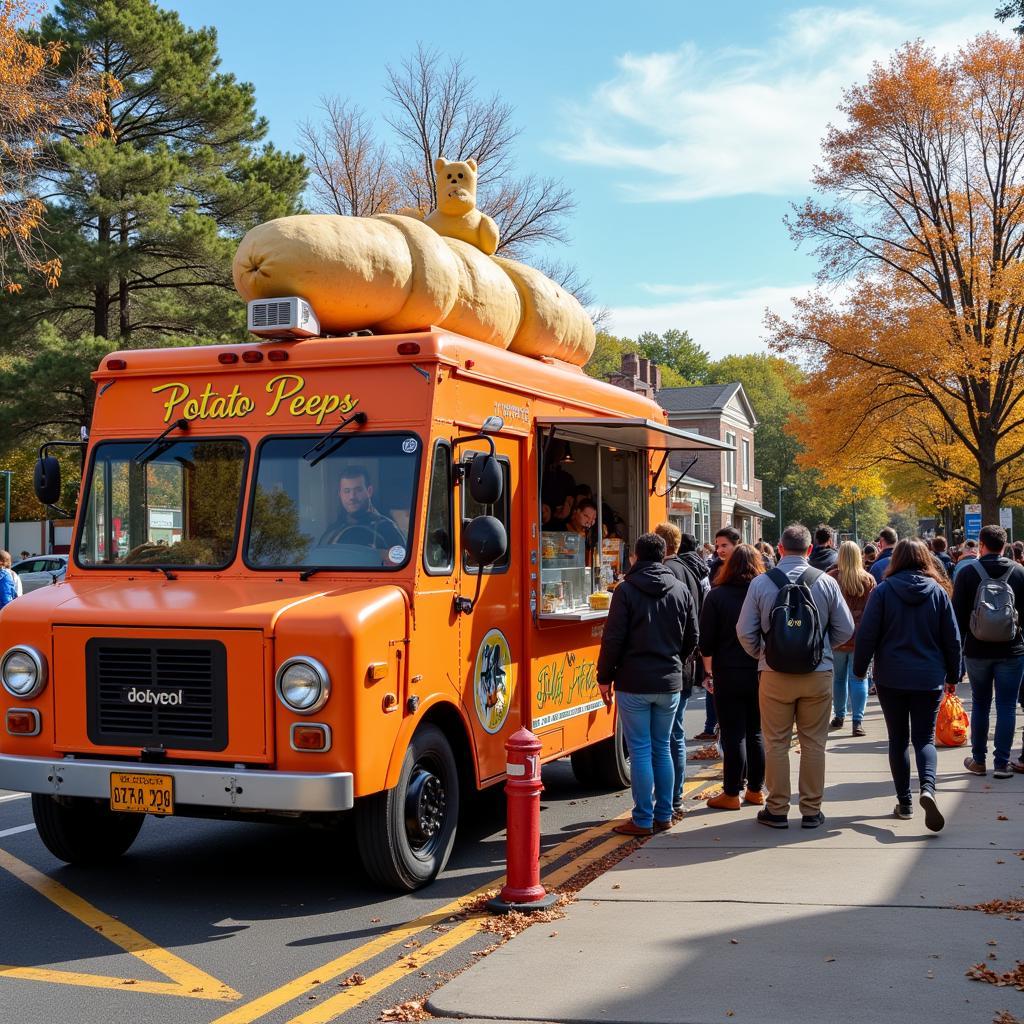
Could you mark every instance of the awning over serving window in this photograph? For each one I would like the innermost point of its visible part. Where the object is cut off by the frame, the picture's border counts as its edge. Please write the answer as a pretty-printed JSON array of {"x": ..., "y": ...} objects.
[
  {"x": 637, "y": 434},
  {"x": 752, "y": 509}
]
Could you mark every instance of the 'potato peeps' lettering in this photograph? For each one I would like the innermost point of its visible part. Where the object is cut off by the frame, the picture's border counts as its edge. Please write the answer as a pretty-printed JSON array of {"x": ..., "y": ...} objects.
[{"x": 286, "y": 390}]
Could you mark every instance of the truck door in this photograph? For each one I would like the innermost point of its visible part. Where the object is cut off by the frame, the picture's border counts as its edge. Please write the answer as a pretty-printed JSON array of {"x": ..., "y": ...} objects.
[{"x": 491, "y": 638}]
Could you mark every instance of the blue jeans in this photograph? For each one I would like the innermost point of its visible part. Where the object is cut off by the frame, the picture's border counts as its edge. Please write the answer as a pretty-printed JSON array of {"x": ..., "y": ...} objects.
[
  {"x": 710, "y": 713},
  {"x": 1003, "y": 677},
  {"x": 679, "y": 751},
  {"x": 847, "y": 690},
  {"x": 647, "y": 725}
]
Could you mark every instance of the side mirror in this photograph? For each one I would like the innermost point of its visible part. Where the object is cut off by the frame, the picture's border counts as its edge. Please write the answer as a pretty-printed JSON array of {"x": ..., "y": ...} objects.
[
  {"x": 484, "y": 540},
  {"x": 485, "y": 479},
  {"x": 46, "y": 480}
]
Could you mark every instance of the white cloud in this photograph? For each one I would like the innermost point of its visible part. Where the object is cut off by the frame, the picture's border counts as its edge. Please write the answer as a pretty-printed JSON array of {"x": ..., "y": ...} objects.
[
  {"x": 692, "y": 124},
  {"x": 723, "y": 324}
]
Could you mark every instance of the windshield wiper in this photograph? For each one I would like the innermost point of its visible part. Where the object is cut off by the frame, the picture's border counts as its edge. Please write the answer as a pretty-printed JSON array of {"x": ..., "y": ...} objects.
[
  {"x": 318, "y": 452},
  {"x": 143, "y": 457},
  {"x": 306, "y": 573},
  {"x": 159, "y": 568}
]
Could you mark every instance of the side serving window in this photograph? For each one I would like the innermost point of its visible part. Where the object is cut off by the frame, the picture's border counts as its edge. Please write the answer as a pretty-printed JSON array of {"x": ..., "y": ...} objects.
[
  {"x": 439, "y": 537},
  {"x": 501, "y": 511}
]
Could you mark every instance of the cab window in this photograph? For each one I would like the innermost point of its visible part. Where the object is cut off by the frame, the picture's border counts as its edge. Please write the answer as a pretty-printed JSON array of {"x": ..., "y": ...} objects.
[
  {"x": 439, "y": 540},
  {"x": 501, "y": 511}
]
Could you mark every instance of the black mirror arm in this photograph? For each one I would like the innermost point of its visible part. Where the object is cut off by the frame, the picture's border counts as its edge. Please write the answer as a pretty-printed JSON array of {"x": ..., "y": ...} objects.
[
  {"x": 460, "y": 467},
  {"x": 465, "y": 605}
]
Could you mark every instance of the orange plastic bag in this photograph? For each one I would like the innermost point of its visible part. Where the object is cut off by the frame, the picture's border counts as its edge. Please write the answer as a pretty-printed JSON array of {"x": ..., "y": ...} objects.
[{"x": 953, "y": 725}]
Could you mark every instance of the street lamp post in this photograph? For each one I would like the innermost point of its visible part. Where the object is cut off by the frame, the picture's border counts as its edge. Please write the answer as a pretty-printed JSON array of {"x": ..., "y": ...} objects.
[
  {"x": 856, "y": 538},
  {"x": 781, "y": 489},
  {"x": 6, "y": 473}
]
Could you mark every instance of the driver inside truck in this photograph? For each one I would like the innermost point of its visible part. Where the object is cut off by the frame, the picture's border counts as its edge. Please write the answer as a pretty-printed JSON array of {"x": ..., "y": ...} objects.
[{"x": 358, "y": 522}]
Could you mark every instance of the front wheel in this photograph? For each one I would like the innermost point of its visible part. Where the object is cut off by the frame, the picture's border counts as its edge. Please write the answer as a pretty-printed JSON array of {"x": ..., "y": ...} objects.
[
  {"x": 82, "y": 831},
  {"x": 405, "y": 835}
]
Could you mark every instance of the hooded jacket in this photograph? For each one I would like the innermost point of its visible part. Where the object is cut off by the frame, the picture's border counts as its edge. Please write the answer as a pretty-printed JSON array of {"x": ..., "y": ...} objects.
[
  {"x": 650, "y": 631},
  {"x": 697, "y": 564},
  {"x": 823, "y": 558},
  {"x": 965, "y": 587},
  {"x": 880, "y": 564},
  {"x": 910, "y": 630}
]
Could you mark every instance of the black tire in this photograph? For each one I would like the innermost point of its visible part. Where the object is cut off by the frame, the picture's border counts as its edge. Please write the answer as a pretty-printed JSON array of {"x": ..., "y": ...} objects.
[
  {"x": 405, "y": 835},
  {"x": 82, "y": 831},
  {"x": 609, "y": 762},
  {"x": 583, "y": 768}
]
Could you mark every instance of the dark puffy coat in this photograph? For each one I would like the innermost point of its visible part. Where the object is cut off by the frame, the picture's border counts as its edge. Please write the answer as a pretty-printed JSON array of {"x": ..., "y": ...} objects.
[
  {"x": 909, "y": 629},
  {"x": 650, "y": 632},
  {"x": 718, "y": 640},
  {"x": 965, "y": 587},
  {"x": 823, "y": 558}
]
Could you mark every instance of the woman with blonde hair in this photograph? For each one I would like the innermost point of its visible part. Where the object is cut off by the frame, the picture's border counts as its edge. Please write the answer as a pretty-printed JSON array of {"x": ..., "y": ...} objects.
[{"x": 848, "y": 690}]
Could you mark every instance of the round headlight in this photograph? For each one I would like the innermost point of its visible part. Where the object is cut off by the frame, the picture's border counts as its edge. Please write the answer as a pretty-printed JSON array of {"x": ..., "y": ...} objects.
[
  {"x": 23, "y": 672},
  {"x": 303, "y": 685}
]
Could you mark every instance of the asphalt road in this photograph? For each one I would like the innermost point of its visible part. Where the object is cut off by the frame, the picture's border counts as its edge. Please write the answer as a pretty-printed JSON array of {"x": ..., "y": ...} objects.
[{"x": 208, "y": 922}]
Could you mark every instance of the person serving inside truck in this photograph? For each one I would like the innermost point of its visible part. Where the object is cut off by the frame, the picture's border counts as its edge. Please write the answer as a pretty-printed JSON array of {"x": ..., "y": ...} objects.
[{"x": 358, "y": 522}]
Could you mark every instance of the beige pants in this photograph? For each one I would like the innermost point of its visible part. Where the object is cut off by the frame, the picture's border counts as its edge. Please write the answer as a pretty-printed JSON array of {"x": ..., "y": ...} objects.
[{"x": 807, "y": 701}]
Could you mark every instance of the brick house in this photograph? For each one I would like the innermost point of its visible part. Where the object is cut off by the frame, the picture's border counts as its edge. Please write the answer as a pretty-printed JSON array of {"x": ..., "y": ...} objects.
[{"x": 720, "y": 489}]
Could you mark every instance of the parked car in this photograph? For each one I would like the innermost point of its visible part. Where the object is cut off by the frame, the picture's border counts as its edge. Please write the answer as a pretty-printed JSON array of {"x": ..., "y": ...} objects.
[{"x": 41, "y": 571}]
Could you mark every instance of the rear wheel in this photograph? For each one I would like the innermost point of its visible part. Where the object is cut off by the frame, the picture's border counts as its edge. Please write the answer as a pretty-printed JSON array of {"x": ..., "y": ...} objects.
[
  {"x": 604, "y": 765},
  {"x": 405, "y": 835},
  {"x": 82, "y": 831}
]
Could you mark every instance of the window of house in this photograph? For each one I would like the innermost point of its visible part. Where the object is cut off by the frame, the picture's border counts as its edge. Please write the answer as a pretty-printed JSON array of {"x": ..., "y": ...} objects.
[
  {"x": 730, "y": 460},
  {"x": 746, "y": 464}
]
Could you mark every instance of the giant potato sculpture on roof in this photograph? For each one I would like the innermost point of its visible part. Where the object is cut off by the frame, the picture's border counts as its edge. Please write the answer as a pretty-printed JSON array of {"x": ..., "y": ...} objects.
[{"x": 394, "y": 273}]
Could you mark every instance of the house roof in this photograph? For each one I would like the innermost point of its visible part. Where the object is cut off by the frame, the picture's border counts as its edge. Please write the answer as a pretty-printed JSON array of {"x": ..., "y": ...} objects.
[{"x": 702, "y": 398}]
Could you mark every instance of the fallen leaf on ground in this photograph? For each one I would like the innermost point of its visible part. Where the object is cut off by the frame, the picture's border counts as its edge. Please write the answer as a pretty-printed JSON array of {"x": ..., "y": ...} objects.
[
  {"x": 1005, "y": 1017},
  {"x": 734, "y": 942},
  {"x": 1014, "y": 977},
  {"x": 353, "y": 979},
  {"x": 1011, "y": 908},
  {"x": 1002, "y": 817},
  {"x": 708, "y": 753},
  {"x": 374, "y": 920},
  {"x": 830, "y": 959},
  {"x": 410, "y": 1011}
]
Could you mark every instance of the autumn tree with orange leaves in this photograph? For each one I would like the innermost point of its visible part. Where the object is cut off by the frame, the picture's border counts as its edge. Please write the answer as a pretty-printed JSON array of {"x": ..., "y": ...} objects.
[
  {"x": 916, "y": 361},
  {"x": 34, "y": 102}
]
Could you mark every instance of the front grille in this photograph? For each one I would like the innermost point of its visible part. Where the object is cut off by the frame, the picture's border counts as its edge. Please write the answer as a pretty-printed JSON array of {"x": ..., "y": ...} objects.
[{"x": 157, "y": 693}]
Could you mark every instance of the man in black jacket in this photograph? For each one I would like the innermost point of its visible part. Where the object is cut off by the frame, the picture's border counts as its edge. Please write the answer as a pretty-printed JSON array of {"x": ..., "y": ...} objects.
[
  {"x": 824, "y": 555},
  {"x": 992, "y": 667},
  {"x": 650, "y": 633}
]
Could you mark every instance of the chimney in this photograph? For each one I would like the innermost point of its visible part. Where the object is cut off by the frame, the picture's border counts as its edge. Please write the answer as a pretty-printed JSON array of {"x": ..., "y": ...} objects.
[
  {"x": 655, "y": 381},
  {"x": 630, "y": 364}
]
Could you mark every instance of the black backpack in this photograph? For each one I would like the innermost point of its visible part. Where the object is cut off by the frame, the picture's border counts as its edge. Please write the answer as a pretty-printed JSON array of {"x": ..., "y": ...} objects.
[{"x": 794, "y": 643}]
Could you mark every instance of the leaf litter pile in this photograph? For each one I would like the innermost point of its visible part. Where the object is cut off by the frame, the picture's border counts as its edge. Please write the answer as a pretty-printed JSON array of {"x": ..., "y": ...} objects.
[
  {"x": 1014, "y": 977},
  {"x": 708, "y": 753}
]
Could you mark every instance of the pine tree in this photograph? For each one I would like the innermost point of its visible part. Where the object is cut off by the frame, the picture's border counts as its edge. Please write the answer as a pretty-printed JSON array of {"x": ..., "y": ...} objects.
[{"x": 147, "y": 217}]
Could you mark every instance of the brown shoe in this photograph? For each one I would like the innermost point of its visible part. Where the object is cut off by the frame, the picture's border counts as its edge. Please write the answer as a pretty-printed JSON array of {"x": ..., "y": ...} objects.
[
  {"x": 725, "y": 802},
  {"x": 662, "y": 826},
  {"x": 631, "y": 828},
  {"x": 859, "y": 730},
  {"x": 753, "y": 796}
]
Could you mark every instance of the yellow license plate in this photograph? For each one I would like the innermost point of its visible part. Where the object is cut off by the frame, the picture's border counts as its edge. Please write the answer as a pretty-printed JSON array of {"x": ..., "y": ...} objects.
[{"x": 141, "y": 793}]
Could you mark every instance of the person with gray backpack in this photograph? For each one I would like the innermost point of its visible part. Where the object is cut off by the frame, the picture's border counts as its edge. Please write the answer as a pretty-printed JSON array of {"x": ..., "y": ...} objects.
[
  {"x": 988, "y": 599},
  {"x": 790, "y": 620}
]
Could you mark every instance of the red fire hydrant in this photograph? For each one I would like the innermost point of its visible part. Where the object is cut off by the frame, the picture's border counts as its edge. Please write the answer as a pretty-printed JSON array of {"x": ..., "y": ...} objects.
[{"x": 522, "y": 890}]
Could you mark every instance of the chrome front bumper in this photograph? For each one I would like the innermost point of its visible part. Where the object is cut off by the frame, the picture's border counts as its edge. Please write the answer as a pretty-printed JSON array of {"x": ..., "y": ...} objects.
[{"x": 235, "y": 788}]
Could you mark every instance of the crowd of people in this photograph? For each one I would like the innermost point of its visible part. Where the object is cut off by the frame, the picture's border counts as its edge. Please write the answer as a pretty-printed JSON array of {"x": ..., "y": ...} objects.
[{"x": 785, "y": 638}]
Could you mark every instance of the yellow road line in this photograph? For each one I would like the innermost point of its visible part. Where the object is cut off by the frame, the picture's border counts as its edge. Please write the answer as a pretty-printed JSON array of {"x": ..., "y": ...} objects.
[
  {"x": 187, "y": 979},
  {"x": 388, "y": 976},
  {"x": 155, "y": 988},
  {"x": 290, "y": 990}
]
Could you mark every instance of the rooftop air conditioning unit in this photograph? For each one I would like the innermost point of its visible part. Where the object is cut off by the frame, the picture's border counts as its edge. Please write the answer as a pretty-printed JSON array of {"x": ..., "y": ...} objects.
[{"x": 288, "y": 317}]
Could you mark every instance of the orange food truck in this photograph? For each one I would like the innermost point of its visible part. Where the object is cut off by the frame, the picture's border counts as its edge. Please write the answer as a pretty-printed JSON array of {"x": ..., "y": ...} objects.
[{"x": 312, "y": 576}]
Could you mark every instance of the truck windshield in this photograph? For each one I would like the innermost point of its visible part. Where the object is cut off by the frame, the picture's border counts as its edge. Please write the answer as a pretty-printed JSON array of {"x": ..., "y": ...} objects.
[
  {"x": 178, "y": 509},
  {"x": 352, "y": 510}
]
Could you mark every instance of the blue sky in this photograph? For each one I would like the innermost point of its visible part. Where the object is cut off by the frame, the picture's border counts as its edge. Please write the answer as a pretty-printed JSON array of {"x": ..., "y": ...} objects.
[{"x": 684, "y": 129}]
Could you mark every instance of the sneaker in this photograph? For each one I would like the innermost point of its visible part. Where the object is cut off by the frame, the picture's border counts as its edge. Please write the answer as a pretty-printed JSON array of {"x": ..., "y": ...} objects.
[
  {"x": 765, "y": 817},
  {"x": 859, "y": 730},
  {"x": 1018, "y": 765},
  {"x": 662, "y": 826},
  {"x": 836, "y": 723},
  {"x": 1005, "y": 772},
  {"x": 704, "y": 736},
  {"x": 933, "y": 818},
  {"x": 755, "y": 796},
  {"x": 812, "y": 820},
  {"x": 973, "y": 767},
  {"x": 725, "y": 802},
  {"x": 904, "y": 811},
  {"x": 678, "y": 809}
]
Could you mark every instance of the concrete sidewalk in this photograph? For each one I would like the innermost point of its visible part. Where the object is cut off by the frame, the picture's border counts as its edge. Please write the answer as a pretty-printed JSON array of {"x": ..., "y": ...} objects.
[{"x": 723, "y": 920}]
